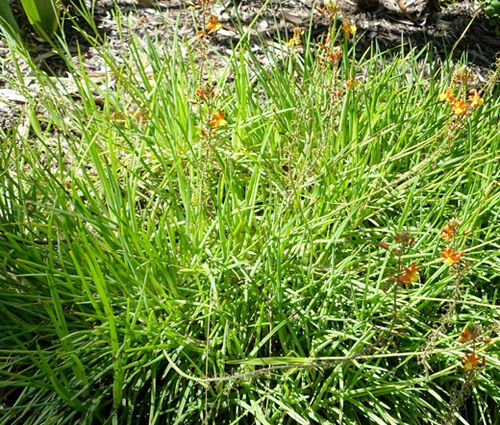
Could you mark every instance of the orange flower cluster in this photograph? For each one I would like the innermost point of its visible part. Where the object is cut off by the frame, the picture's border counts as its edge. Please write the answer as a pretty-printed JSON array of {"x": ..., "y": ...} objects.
[
  {"x": 475, "y": 99},
  {"x": 329, "y": 52},
  {"x": 449, "y": 255},
  {"x": 472, "y": 333},
  {"x": 449, "y": 232},
  {"x": 458, "y": 106},
  {"x": 205, "y": 96},
  {"x": 405, "y": 274}
]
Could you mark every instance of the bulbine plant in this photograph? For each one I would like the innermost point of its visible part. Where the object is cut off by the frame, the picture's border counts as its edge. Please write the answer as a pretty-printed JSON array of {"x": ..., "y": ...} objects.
[{"x": 42, "y": 14}]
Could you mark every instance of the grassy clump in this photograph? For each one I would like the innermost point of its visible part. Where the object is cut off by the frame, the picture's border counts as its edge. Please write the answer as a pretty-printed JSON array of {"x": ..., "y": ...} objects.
[{"x": 160, "y": 265}]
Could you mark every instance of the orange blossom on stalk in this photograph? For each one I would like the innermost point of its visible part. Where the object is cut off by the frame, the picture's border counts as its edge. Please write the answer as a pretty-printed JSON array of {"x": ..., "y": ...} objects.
[
  {"x": 459, "y": 107},
  {"x": 469, "y": 333},
  {"x": 213, "y": 25},
  {"x": 348, "y": 28},
  {"x": 475, "y": 99},
  {"x": 410, "y": 274},
  {"x": 217, "y": 120},
  {"x": 450, "y": 256},
  {"x": 470, "y": 361}
]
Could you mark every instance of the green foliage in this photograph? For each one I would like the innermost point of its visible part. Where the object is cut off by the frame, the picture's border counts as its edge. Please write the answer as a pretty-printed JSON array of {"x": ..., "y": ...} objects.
[
  {"x": 42, "y": 14},
  {"x": 492, "y": 9},
  {"x": 156, "y": 269},
  {"x": 7, "y": 17}
]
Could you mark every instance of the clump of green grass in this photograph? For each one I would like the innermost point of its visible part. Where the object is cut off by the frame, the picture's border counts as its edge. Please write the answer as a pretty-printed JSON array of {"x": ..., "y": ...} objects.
[{"x": 158, "y": 267}]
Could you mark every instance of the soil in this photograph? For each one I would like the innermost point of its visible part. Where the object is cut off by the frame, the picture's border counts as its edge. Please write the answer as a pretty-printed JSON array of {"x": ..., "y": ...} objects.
[{"x": 460, "y": 28}]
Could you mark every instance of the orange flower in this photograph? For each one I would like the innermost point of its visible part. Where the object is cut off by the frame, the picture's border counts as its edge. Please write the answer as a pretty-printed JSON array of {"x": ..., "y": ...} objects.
[
  {"x": 447, "y": 95},
  {"x": 468, "y": 334},
  {"x": 296, "y": 40},
  {"x": 475, "y": 99},
  {"x": 218, "y": 120},
  {"x": 348, "y": 28},
  {"x": 213, "y": 25},
  {"x": 459, "y": 107},
  {"x": 450, "y": 256},
  {"x": 352, "y": 83},
  {"x": 470, "y": 361},
  {"x": 410, "y": 274}
]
